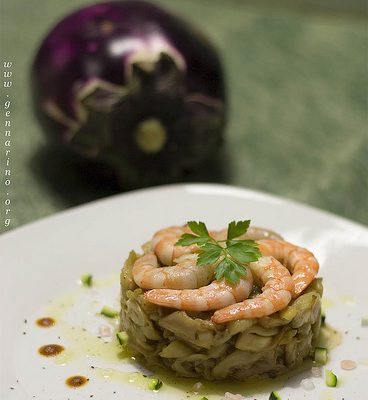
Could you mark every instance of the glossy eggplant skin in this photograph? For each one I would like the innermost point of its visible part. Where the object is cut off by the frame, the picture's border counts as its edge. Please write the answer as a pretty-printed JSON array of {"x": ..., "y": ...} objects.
[{"x": 129, "y": 84}]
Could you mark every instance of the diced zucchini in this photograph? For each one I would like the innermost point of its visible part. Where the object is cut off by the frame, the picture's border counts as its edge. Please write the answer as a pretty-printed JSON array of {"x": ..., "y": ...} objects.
[
  {"x": 86, "y": 280},
  {"x": 330, "y": 378},
  {"x": 320, "y": 355},
  {"x": 274, "y": 396},
  {"x": 365, "y": 320},
  {"x": 109, "y": 312},
  {"x": 154, "y": 384},
  {"x": 122, "y": 337}
]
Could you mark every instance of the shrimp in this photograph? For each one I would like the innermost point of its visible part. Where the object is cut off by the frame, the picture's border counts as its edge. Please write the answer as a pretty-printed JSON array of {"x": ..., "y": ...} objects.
[
  {"x": 252, "y": 233},
  {"x": 148, "y": 274},
  {"x": 276, "y": 293},
  {"x": 257, "y": 233},
  {"x": 300, "y": 262},
  {"x": 163, "y": 241},
  {"x": 216, "y": 295},
  {"x": 163, "y": 244}
]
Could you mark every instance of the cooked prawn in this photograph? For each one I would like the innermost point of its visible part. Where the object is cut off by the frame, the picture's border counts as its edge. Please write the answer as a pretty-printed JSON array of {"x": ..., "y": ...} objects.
[
  {"x": 257, "y": 233},
  {"x": 252, "y": 233},
  {"x": 148, "y": 274},
  {"x": 276, "y": 293},
  {"x": 163, "y": 244},
  {"x": 163, "y": 241},
  {"x": 216, "y": 295},
  {"x": 300, "y": 262}
]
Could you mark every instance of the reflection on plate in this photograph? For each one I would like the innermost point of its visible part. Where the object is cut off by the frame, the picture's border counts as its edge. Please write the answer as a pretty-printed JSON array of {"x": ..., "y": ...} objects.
[{"x": 42, "y": 263}]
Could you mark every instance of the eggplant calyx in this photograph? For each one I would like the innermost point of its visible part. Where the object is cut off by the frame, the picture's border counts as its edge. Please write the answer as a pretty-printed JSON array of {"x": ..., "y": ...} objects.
[
  {"x": 162, "y": 76},
  {"x": 97, "y": 99}
]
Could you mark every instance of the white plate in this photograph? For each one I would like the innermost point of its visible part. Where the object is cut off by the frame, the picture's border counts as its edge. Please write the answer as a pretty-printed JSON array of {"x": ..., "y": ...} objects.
[{"x": 43, "y": 261}]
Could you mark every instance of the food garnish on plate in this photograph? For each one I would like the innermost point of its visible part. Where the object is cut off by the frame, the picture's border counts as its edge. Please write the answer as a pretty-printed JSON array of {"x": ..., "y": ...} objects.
[{"x": 236, "y": 303}]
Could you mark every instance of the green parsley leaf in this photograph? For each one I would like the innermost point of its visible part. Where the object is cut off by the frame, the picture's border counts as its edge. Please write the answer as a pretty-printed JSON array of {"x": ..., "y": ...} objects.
[
  {"x": 199, "y": 228},
  {"x": 221, "y": 268},
  {"x": 230, "y": 256},
  {"x": 250, "y": 243},
  {"x": 187, "y": 239},
  {"x": 243, "y": 253},
  {"x": 234, "y": 272},
  {"x": 209, "y": 254},
  {"x": 236, "y": 229},
  {"x": 232, "y": 275}
]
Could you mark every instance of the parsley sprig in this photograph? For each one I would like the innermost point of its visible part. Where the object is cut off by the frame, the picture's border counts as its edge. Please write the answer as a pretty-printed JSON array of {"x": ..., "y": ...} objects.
[{"x": 231, "y": 255}]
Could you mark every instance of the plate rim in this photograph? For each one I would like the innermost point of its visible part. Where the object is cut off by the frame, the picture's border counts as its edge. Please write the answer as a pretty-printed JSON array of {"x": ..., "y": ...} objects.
[
  {"x": 225, "y": 192},
  {"x": 185, "y": 187}
]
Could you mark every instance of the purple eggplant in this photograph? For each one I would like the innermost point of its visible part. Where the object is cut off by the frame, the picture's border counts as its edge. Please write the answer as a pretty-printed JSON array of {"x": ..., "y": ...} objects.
[{"x": 129, "y": 84}]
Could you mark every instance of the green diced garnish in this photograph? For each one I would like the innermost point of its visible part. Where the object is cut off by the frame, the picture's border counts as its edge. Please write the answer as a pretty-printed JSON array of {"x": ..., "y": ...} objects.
[
  {"x": 323, "y": 319},
  {"x": 109, "y": 312},
  {"x": 86, "y": 280},
  {"x": 320, "y": 355},
  {"x": 122, "y": 337},
  {"x": 330, "y": 378},
  {"x": 274, "y": 396},
  {"x": 365, "y": 321},
  {"x": 154, "y": 384}
]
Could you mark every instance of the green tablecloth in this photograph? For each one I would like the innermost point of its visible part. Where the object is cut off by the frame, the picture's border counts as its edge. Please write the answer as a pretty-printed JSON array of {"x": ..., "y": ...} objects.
[{"x": 298, "y": 105}]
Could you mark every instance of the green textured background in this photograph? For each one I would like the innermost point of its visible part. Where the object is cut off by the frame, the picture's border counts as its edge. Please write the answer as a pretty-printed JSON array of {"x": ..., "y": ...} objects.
[{"x": 297, "y": 80}]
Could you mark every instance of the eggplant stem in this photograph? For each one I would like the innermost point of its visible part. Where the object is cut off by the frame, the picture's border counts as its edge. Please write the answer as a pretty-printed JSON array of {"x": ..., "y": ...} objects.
[{"x": 150, "y": 135}]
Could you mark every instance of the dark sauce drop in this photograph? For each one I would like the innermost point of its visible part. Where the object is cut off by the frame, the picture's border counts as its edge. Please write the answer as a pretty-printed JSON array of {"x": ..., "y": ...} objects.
[
  {"x": 50, "y": 350},
  {"x": 45, "y": 322},
  {"x": 76, "y": 381}
]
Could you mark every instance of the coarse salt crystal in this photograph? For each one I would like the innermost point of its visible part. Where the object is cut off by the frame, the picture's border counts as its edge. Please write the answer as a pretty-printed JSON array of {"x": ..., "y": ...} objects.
[
  {"x": 348, "y": 364},
  {"x": 316, "y": 372},
  {"x": 105, "y": 331},
  {"x": 197, "y": 387},
  {"x": 307, "y": 384},
  {"x": 232, "y": 396}
]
